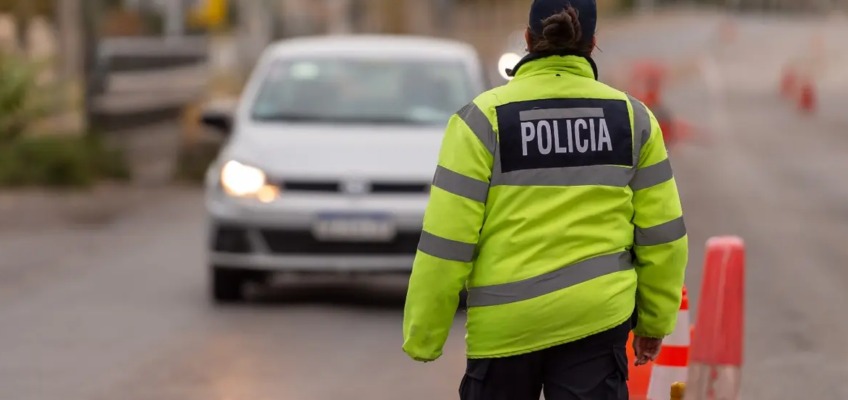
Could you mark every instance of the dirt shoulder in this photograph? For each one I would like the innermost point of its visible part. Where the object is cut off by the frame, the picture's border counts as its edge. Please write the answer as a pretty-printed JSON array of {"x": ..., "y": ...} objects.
[{"x": 36, "y": 209}]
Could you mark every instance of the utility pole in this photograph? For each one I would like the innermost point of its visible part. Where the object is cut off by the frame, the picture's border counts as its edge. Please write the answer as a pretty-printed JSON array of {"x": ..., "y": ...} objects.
[
  {"x": 254, "y": 29},
  {"x": 23, "y": 15},
  {"x": 645, "y": 6},
  {"x": 89, "y": 14},
  {"x": 175, "y": 18},
  {"x": 70, "y": 17},
  {"x": 72, "y": 54},
  {"x": 339, "y": 16},
  {"x": 394, "y": 16}
]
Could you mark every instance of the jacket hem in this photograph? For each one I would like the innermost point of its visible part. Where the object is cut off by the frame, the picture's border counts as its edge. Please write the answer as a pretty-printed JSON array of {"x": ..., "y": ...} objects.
[{"x": 547, "y": 345}]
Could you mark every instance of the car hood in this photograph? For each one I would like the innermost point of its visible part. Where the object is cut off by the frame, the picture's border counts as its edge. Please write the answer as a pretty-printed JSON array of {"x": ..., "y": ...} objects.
[{"x": 391, "y": 152}]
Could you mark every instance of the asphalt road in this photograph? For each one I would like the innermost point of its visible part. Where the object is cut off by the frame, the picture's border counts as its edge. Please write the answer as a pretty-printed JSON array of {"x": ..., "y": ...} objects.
[
  {"x": 778, "y": 179},
  {"x": 118, "y": 309}
]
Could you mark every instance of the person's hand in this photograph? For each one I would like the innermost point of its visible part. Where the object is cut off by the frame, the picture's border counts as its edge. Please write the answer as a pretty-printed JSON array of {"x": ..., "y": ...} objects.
[{"x": 646, "y": 349}]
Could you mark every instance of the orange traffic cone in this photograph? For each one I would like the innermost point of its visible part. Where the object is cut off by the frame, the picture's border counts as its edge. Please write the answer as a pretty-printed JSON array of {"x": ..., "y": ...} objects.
[
  {"x": 789, "y": 83},
  {"x": 673, "y": 362},
  {"x": 639, "y": 377},
  {"x": 807, "y": 99},
  {"x": 718, "y": 344}
]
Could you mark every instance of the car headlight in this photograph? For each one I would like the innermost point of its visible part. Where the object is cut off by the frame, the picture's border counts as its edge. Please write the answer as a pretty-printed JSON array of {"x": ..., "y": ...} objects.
[
  {"x": 245, "y": 181},
  {"x": 507, "y": 61}
]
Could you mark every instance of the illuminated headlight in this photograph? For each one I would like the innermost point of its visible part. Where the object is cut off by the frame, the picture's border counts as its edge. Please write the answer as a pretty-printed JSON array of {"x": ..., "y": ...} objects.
[
  {"x": 507, "y": 61},
  {"x": 245, "y": 181}
]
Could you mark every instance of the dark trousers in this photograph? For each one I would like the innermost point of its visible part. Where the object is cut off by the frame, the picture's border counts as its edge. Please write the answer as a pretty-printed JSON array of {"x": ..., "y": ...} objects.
[{"x": 594, "y": 368}]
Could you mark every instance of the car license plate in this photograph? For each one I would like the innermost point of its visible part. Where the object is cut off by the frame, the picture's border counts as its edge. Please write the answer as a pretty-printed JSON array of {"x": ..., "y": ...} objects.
[{"x": 354, "y": 228}]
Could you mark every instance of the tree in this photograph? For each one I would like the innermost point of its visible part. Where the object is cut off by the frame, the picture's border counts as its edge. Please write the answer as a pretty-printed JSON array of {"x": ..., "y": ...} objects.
[{"x": 21, "y": 103}]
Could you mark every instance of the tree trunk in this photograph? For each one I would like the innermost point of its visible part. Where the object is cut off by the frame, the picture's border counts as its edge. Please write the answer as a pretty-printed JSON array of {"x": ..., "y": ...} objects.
[
  {"x": 394, "y": 16},
  {"x": 23, "y": 14}
]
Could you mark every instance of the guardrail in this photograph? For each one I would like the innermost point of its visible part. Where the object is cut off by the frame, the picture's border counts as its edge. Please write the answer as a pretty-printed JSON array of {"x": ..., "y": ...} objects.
[{"x": 145, "y": 80}]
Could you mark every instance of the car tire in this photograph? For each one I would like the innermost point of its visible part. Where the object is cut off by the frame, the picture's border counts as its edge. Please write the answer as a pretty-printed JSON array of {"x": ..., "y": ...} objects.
[{"x": 226, "y": 285}]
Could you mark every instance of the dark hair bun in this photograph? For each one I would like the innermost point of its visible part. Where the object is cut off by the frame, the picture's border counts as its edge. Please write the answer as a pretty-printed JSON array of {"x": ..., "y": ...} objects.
[{"x": 560, "y": 32}]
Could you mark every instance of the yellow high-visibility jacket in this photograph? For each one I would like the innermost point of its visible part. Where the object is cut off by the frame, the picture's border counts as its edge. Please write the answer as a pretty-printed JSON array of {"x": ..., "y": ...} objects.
[{"x": 555, "y": 206}]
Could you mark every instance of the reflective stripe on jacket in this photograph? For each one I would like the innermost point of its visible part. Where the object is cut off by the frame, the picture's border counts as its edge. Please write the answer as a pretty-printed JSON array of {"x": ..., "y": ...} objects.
[{"x": 554, "y": 204}]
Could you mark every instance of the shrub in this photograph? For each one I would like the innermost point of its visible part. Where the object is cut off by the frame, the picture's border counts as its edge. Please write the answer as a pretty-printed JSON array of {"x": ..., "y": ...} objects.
[
  {"x": 193, "y": 161},
  {"x": 108, "y": 162},
  {"x": 21, "y": 101},
  {"x": 59, "y": 161}
]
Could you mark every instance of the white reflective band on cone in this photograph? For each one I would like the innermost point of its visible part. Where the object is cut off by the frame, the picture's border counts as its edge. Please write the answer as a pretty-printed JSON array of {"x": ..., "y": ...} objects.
[{"x": 680, "y": 336}]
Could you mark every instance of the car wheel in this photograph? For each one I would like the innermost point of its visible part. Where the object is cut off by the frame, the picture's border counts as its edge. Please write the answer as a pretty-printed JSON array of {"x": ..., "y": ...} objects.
[{"x": 227, "y": 285}]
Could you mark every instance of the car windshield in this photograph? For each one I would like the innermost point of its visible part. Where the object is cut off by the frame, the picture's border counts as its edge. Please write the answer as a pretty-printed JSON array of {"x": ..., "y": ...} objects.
[{"x": 363, "y": 91}]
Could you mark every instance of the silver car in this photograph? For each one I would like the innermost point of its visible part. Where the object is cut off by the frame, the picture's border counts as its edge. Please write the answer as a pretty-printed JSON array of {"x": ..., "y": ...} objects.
[{"x": 330, "y": 154}]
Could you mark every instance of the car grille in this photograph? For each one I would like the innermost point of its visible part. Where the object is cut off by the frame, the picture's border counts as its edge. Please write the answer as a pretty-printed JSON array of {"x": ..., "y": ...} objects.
[
  {"x": 399, "y": 188},
  {"x": 231, "y": 240},
  {"x": 338, "y": 187},
  {"x": 302, "y": 242},
  {"x": 305, "y": 186}
]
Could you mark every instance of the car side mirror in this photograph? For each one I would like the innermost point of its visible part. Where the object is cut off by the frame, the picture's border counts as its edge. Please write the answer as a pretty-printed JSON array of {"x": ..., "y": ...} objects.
[
  {"x": 219, "y": 121},
  {"x": 220, "y": 116}
]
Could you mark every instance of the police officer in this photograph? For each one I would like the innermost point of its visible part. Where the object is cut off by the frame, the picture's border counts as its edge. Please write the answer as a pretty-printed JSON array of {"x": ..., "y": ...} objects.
[{"x": 555, "y": 206}]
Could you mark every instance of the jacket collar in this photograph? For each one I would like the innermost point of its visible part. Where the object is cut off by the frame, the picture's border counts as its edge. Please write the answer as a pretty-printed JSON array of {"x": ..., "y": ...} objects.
[{"x": 534, "y": 63}]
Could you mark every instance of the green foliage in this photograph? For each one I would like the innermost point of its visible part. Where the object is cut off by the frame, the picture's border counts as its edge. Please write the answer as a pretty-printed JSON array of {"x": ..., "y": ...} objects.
[
  {"x": 193, "y": 161},
  {"x": 108, "y": 162},
  {"x": 27, "y": 160},
  {"x": 59, "y": 161},
  {"x": 21, "y": 101}
]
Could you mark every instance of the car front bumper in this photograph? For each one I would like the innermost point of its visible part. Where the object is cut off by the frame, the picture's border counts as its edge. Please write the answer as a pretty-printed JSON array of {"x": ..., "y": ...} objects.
[{"x": 277, "y": 236}]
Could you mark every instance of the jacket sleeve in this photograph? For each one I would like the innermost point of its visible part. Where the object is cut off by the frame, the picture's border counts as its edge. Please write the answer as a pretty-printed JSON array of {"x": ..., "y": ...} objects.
[
  {"x": 660, "y": 241},
  {"x": 452, "y": 223}
]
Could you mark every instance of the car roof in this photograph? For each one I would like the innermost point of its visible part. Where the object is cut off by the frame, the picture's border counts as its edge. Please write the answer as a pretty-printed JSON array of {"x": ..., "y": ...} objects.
[{"x": 369, "y": 46}]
